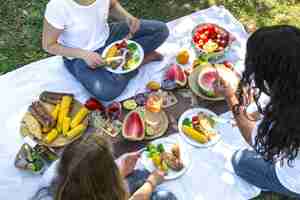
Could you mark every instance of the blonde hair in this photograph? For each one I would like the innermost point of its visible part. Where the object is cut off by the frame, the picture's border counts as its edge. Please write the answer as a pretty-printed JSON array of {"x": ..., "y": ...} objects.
[{"x": 87, "y": 171}]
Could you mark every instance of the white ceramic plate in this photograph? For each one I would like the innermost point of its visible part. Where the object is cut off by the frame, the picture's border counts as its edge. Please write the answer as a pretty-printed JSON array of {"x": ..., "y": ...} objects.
[
  {"x": 189, "y": 114},
  {"x": 185, "y": 156},
  {"x": 120, "y": 70}
]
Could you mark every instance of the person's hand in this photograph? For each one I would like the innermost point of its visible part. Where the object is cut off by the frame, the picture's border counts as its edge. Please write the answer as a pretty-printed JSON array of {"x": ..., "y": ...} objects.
[
  {"x": 92, "y": 59},
  {"x": 156, "y": 178},
  {"x": 134, "y": 25},
  {"x": 223, "y": 88},
  {"x": 128, "y": 163}
]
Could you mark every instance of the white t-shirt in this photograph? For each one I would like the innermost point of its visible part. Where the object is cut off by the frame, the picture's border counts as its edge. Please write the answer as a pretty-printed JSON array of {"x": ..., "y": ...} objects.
[
  {"x": 289, "y": 177},
  {"x": 84, "y": 27}
]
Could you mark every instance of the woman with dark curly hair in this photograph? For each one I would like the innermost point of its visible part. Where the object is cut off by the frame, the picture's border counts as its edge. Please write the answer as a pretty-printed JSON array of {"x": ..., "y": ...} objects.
[{"x": 272, "y": 67}]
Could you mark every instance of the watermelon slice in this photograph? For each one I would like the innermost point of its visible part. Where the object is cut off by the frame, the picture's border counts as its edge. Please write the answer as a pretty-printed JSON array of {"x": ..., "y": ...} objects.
[
  {"x": 133, "y": 127},
  {"x": 176, "y": 73},
  {"x": 208, "y": 76},
  {"x": 206, "y": 80}
]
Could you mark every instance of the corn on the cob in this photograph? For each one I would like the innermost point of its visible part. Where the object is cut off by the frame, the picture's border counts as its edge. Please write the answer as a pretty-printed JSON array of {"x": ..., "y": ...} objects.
[
  {"x": 76, "y": 131},
  {"x": 194, "y": 134},
  {"x": 81, "y": 114},
  {"x": 55, "y": 112},
  {"x": 66, "y": 125},
  {"x": 51, "y": 136},
  {"x": 64, "y": 110}
]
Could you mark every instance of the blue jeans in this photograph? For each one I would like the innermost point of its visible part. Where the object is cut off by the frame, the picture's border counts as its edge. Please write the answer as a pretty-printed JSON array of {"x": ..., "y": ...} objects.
[
  {"x": 105, "y": 85},
  {"x": 254, "y": 169},
  {"x": 138, "y": 178}
]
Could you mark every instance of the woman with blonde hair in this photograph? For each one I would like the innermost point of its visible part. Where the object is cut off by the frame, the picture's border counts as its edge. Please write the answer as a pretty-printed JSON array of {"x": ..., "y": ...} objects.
[
  {"x": 87, "y": 171},
  {"x": 79, "y": 31}
]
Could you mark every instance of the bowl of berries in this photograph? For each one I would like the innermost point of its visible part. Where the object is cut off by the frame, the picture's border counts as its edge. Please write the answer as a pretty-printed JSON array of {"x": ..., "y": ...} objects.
[{"x": 211, "y": 40}]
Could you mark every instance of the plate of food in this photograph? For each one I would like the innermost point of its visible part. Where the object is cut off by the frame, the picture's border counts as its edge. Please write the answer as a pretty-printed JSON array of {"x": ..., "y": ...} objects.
[
  {"x": 202, "y": 79},
  {"x": 55, "y": 120},
  {"x": 123, "y": 56},
  {"x": 211, "y": 40},
  {"x": 198, "y": 128},
  {"x": 136, "y": 128},
  {"x": 167, "y": 156}
]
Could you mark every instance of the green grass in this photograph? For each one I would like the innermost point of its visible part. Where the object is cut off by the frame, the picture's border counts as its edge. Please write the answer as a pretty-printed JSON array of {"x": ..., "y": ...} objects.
[{"x": 21, "y": 23}]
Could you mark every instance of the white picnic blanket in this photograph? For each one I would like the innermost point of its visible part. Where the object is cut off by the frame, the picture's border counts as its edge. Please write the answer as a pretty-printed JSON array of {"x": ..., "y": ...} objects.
[{"x": 209, "y": 177}]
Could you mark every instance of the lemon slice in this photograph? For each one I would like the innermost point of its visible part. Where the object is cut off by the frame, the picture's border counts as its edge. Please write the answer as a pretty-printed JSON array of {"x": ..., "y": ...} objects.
[{"x": 130, "y": 104}]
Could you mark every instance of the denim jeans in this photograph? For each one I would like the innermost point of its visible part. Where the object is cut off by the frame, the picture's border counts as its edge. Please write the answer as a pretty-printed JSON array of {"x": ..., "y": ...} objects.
[
  {"x": 254, "y": 169},
  {"x": 138, "y": 178},
  {"x": 105, "y": 85}
]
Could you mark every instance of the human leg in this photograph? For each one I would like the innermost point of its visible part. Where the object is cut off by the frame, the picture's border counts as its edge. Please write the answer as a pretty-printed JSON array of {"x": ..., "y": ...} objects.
[
  {"x": 254, "y": 169},
  {"x": 101, "y": 83},
  {"x": 151, "y": 35}
]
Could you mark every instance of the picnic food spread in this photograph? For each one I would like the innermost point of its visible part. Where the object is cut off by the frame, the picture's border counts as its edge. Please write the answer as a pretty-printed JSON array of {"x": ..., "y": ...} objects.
[
  {"x": 200, "y": 127},
  {"x": 55, "y": 119},
  {"x": 210, "y": 38},
  {"x": 124, "y": 55},
  {"x": 164, "y": 160},
  {"x": 174, "y": 77}
]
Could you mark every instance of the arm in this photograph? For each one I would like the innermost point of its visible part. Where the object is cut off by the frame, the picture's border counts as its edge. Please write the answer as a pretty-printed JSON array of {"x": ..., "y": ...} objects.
[
  {"x": 117, "y": 12},
  {"x": 50, "y": 45},
  {"x": 144, "y": 193},
  {"x": 245, "y": 125}
]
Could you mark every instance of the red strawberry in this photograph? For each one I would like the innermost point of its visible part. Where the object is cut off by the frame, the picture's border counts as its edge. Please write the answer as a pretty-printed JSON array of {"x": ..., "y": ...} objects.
[
  {"x": 94, "y": 104},
  {"x": 228, "y": 64}
]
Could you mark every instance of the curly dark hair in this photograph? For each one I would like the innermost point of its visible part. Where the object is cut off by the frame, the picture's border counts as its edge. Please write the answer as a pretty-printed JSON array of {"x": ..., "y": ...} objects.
[{"x": 273, "y": 67}]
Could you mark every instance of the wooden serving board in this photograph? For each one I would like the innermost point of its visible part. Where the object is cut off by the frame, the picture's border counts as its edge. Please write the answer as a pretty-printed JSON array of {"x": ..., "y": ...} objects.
[{"x": 61, "y": 140}]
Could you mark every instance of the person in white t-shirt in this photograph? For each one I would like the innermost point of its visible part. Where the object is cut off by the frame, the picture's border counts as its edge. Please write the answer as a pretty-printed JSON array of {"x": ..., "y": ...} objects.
[
  {"x": 79, "y": 31},
  {"x": 272, "y": 67}
]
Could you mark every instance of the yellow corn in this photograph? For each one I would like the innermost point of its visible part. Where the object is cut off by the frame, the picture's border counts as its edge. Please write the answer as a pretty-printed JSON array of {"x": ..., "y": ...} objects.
[
  {"x": 66, "y": 125},
  {"x": 76, "y": 131},
  {"x": 194, "y": 134},
  {"x": 64, "y": 111},
  {"x": 51, "y": 136},
  {"x": 80, "y": 115},
  {"x": 112, "y": 52},
  {"x": 55, "y": 112}
]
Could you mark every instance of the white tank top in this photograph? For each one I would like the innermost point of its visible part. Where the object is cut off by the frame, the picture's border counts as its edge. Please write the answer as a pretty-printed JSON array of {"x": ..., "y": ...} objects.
[{"x": 84, "y": 27}]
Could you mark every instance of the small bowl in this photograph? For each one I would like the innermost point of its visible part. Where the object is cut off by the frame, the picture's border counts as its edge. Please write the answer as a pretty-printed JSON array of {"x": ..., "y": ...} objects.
[{"x": 212, "y": 55}]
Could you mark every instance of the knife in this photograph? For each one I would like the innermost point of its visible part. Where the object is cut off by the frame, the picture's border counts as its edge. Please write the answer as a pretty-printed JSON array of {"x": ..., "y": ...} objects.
[{"x": 223, "y": 120}]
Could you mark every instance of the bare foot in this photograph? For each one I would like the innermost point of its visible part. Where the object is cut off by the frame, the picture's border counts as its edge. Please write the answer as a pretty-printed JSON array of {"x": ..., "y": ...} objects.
[{"x": 151, "y": 57}]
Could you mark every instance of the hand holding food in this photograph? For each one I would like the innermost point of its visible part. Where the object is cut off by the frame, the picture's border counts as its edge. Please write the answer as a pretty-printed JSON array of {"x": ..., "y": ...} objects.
[
  {"x": 223, "y": 88},
  {"x": 92, "y": 59},
  {"x": 128, "y": 163}
]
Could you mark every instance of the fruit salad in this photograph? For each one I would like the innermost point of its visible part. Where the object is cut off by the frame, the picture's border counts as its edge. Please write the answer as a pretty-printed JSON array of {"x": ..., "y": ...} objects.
[
  {"x": 131, "y": 51},
  {"x": 210, "y": 38}
]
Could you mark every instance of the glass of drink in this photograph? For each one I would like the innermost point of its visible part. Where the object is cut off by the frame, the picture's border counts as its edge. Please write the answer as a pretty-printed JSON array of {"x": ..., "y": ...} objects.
[{"x": 153, "y": 109}]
